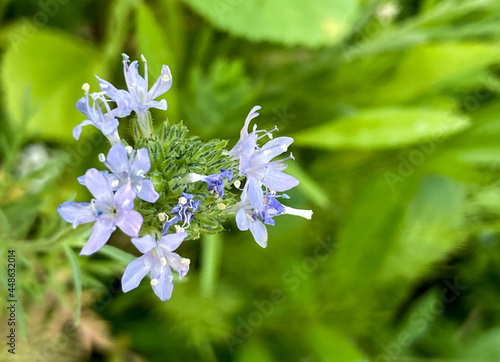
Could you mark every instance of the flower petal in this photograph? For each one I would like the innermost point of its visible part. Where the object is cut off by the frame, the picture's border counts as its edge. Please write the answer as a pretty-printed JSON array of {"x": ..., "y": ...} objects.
[
  {"x": 279, "y": 181},
  {"x": 164, "y": 286},
  {"x": 101, "y": 231},
  {"x": 135, "y": 271},
  {"x": 147, "y": 191},
  {"x": 242, "y": 220},
  {"x": 255, "y": 194},
  {"x": 144, "y": 244},
  {"x": 76, "y": 213},
  {"x": 99, "y": 186},
  {"x": 259, "y": 232},
  {"x": 172, "y": 241},
  {"x": 162, "y": 84},
  {"x": 124, "y": 197},
  {"x": 117, "y": 161},
  {"x": 273, "y": 148},
  {"x": 77, "y": 131},
  {"x": 180, "y": 265},
  {"x": 141, "y": 161},
  {"x": 130, "y": 222}
]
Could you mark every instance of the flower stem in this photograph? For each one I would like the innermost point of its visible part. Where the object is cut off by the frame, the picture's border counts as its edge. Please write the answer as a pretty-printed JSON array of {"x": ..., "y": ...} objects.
[{"x": 211, "y": 248}]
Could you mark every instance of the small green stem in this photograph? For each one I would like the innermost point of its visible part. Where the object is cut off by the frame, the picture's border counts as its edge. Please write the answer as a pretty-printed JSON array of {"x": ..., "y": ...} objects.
[{"x": 211, "y": 249}]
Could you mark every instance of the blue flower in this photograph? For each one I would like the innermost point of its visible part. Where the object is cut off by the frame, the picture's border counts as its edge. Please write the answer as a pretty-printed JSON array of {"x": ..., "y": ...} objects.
[
  {"x": 214, "y": 182},
  {"x": 256, "y": 165},
  {"x": 105, "y": 122},
  {"x": 247, "y": 217},
  {"x": 138, "y": 98},
  {"x": 107, "y": 209},
  {"x": 183, "y": 211},
  {"x": 129, "y": 166},
  {"x": 158, "y": 259}
]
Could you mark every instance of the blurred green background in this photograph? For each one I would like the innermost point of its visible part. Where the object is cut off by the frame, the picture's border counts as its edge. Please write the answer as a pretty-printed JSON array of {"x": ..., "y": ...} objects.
[{"x": 395, "y": 112}]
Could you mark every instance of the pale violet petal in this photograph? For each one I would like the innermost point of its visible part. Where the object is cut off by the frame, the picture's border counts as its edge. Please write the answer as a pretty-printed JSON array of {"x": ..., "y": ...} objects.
[
  {"x": 101, "y": 232},
  {"x": 130, "y": 222},
  {"x": 99, "y": 186},
  {"x": 144, "y": 244},
  {"x": 164, "y": 286},
  {"x": 76, "y": 213},
  {"x": 135, "y": 271},
  {"x": 259, "y": 232},
  {"x": 147, "y": 191},
  {"x": 172, "y": 241},
  {"x": 242, "y": 220}
]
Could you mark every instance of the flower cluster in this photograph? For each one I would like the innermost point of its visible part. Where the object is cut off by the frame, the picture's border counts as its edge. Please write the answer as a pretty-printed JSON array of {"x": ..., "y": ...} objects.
[
  {"x": 169, "y": 187},
  {"x": 258, "y": 206}
]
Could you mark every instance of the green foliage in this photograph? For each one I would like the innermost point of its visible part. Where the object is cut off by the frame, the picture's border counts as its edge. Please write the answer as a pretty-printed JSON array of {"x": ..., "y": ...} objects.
[
  {"x": 305, "y": 23},
  {"x": 395, "y": 114},
  {"x": 174, "y": 155},
  {"x": 42, "y": 78},
  {"x": 383, "y": 128}
]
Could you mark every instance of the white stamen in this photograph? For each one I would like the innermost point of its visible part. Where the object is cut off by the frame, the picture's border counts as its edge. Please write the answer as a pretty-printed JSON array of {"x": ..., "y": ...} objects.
[
  {"x": 162, "y": 216},
  {"x": 307, "y": 214},
  {"x": 140, "y": 173},
  {"x": 163, "y": 261},
  {"x": 129, "y": 149},
  {"x": 194, "y": 177},
  {"x": 138, "y": 188},
  {"x": 260, "y": 183},
  {"x": 183, "y": 200},
  {"x": 165, "y": 78},
  {"x": 221, "y": 206},
  {"x": 178, "y": 229},
  {"x": 115, "y": 183},
  {"x": 237, "y": 184},
  {"x": 291, "y": 156},
  {"x": 102, "y": 158},
  {"x": 284, "y": 147},
  {"x": 86, "y": 87},
  {"x": 185, "y": 261},
  {"x": 154, "y": 281},
  {"x": 143, "y": 58},
  {"x": 249, "y": 217},
  {"x": 267, "y": 152}
]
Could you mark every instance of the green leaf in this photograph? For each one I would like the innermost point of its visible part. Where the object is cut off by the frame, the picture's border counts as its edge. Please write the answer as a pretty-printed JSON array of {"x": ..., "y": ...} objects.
[
  {"x": 383, "y": 128},
  {"x": 301, "y": 22},
  {"x": 77, "y": 281},
  {"x": 117, "y": 254},
  {"x": 42, "y": 79},
  {"x": 331, "y": 345},
  {"x": 432, "y": 227}
]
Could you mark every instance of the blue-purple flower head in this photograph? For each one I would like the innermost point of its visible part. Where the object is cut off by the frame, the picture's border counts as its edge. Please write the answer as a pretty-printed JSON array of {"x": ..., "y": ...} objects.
[
  {"x": 139, "y": 98},
  {"x": 248, "y": 218},
  {"x": 129, "y": 166},
  {"x": 214, "y": 182},
  {"x": 183, "y": 212},
  {"x": 103, "y": 119},
  {"x": 256, "y": 163},
  {"x": 107, "y": 209},
  {"x": 159, "y": 259}
]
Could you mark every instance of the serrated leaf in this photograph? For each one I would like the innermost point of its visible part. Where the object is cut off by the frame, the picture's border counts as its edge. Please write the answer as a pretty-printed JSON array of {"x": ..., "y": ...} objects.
[
  {"x": 383, "y": 128},
  {"x": 301, "y": 22}
]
